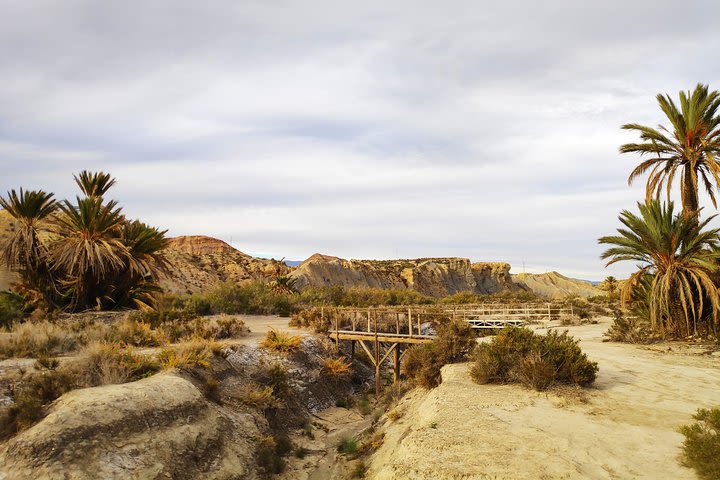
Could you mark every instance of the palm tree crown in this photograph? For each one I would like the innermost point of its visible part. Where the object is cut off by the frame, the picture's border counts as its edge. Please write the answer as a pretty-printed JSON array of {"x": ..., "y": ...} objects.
[
  {"x": 681, "y": 259},
  {"x": 30, "y": 209},
  {"x": 690, "y": 147},
  {"x": 94, "y": 184}
]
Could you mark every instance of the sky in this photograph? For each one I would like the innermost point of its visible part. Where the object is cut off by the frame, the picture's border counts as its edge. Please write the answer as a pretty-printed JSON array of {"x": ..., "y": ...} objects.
[{"x": 374, "y": 129}]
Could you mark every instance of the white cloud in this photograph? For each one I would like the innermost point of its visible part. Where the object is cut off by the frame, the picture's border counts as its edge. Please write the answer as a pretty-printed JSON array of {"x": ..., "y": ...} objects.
[{"x": 362, "y": 130}]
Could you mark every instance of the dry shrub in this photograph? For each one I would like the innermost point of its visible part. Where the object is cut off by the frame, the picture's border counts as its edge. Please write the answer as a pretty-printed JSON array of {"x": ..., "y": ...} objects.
[
  {"x": 394, "y": 415},
  {"x": 269, "y": 455},
  {"x": 31, "y": 395},
  {"x": 261, "y": 398},
  {"x": 137, "y": 333},
  {"x": 32, "y": 339},
  {"x": 337, "y": 368},
  {"x": 111, "y": 363},
  {"x": 310, "y": 318},
  {"x": 701, "y": 448},
  {"x": 629, "y": 329},
  {"x": 220, "y": 327},
  {"x": 211, "y": 389},
  {"x": 194, "y": 353},
  {"x": 539, "y": 361},
  {"x": 275, "y": 375},
  {"x": 422, "y": 365},
  {"x": 282, "y": 342}
]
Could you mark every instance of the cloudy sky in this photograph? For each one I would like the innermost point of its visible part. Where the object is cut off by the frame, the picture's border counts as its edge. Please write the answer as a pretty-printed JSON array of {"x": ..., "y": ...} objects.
[{"x": 370, "y": 129}]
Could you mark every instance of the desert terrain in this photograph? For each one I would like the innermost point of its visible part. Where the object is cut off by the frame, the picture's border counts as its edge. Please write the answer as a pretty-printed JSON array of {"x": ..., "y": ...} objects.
[{"x": 625, "y": 427}]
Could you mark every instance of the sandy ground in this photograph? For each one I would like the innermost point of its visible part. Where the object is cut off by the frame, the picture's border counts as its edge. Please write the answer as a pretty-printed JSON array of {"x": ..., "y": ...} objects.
[
  {"x": 624, "y": 428},
  {"x": 259, "y": 325}
]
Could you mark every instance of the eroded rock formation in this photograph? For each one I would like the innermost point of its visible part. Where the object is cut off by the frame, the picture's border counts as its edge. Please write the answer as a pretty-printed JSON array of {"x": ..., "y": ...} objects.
[
  {"x": 436, "y": 277},
  {"x": 554, "y": 285},
  {"x": 198, "y": 262}
]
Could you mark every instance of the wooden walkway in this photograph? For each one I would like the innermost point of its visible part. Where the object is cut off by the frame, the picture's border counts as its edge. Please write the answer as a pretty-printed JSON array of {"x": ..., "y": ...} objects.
[{"x": 391, "y": 330}]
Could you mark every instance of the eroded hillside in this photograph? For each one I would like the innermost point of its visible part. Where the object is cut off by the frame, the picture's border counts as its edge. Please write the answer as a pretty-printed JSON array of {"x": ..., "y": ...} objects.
[
  {"x": 556, "y": 286},
  {"x": 197, "y": 262},
  {"x": 436, "y": 277}
]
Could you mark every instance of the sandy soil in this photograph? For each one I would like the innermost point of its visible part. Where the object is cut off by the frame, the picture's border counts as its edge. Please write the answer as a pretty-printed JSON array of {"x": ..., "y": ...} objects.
[
  {"x": 259, "y": 325},
  {"x": 624, "y": 428}
]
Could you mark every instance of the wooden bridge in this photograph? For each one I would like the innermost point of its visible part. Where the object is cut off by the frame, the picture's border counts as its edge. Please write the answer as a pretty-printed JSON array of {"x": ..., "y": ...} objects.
[{"x": 385, "y": 331}]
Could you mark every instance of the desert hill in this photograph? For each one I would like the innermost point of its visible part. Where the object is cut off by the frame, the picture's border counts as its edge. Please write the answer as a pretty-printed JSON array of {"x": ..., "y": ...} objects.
[
  {"x": 436, "y": 277},
  {"x": 555, "y": 285},
  {"x": 198, "y": 262}
]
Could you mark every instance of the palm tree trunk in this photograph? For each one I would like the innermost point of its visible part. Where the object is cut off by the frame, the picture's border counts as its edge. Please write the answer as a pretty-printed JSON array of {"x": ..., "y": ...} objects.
[{"x": 689, "y": 192}]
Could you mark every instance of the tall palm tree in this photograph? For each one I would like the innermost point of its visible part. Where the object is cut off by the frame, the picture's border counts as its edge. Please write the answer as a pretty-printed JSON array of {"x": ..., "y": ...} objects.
[
  {"x": 30, "y": 209},
  {"x": 690, "y": 147},
  {"x": 681, "y": 260},
  {"x": 25, "y": 250},
  {"x": 136, "y": 283},
  {"x": 88, "y": 251},
  {"x": 94, "y": 184}
]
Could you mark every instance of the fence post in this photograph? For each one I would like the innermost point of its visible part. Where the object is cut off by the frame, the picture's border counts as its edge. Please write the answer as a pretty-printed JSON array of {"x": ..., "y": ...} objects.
[{"x": 410, "y": 322}]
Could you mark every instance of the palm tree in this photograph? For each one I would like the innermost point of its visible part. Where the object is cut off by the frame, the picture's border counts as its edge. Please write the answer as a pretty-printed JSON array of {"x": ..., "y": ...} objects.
[
  {"x": 680, "y": 259},
  {"x": 88, "y": 250},
  {"x": 137, "y": 281},
  {"x": 26, "y": 251},
  {"x": 690, "y": 147},
  {"x": 94, "y": 184},
  {"x": 284, "y": 284},
  {"x": 610, "y": 284}
]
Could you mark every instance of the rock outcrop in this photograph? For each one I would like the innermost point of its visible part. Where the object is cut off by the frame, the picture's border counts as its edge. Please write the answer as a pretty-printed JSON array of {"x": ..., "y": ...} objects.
[
  {"x": 554, "y": 285},
  {"x": 160, "y": 427},
  {"x": 435, "y": 277}
]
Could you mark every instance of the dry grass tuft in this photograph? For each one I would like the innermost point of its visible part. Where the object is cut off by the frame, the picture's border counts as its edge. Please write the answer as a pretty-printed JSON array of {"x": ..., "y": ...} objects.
[
  {"x": 111, "y": 363},
  {"x": 32, "y": 339},
  {"x": 280, "y": 341},
  {"x": 337, "y": 368},
  {"x": 261, "y": 398},
  {"x": 194, "y": 353}
]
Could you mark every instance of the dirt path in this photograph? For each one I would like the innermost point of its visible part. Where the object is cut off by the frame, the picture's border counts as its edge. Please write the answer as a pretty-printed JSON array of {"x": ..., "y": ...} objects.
[
  {"x": 323, "y": 462},
  {"x": 625, "y": 428},
  {"x": 259, "y": 325}
]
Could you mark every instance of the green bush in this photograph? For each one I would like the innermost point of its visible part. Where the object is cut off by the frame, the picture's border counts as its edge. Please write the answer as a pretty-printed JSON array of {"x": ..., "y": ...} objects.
[
  {"x": 347, "y": 446},
  {"x": 454, "y": 343},
  {"x": 539, "y": 361},
  {"x": 701, "y": 448},
  {"x": 630, "y": 329},
  {"x": 12, "y": 309}
]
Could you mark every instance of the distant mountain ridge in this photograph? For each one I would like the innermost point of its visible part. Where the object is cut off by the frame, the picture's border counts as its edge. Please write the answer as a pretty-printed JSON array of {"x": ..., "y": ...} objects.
[{"x": 199, "y": 262}]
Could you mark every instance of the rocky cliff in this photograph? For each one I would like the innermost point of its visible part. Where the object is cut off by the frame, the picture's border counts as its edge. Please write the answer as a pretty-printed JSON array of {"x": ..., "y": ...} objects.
[
  {"x": 554, "y": 285},
  {"x": 435, "y": 277}
]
